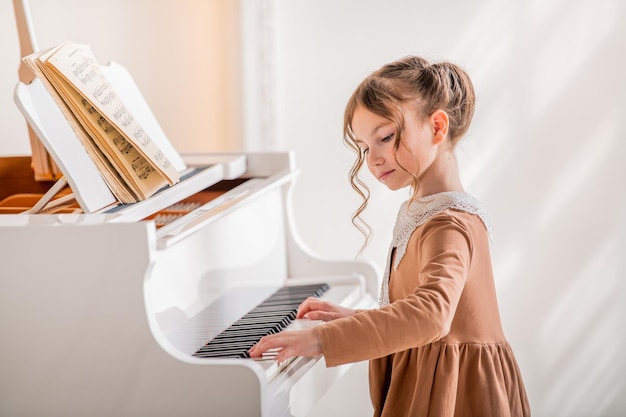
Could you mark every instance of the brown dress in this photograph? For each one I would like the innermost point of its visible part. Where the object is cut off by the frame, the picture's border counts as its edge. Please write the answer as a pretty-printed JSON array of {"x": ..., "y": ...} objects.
[{"x": 438, "y": 348}]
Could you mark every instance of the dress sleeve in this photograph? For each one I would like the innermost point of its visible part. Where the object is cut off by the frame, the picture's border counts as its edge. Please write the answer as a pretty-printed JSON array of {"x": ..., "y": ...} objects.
[{"x": 444, "y": 251}]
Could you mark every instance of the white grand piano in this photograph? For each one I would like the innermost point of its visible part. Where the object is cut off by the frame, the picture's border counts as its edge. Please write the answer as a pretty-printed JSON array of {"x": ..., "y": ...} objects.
[{"x": 120, "y": 310}]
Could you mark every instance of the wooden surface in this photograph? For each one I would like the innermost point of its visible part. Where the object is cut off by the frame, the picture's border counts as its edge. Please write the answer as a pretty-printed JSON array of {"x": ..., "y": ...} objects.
[{"x": 16, "y": 177}]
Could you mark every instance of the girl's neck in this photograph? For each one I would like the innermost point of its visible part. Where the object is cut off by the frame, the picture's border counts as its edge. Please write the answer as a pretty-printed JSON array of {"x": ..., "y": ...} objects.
[{"x": 442, "y": 175}]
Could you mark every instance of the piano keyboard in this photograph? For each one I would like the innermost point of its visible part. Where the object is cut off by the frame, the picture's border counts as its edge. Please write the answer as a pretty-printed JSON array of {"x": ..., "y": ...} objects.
[{"x": 271, "y": 316}]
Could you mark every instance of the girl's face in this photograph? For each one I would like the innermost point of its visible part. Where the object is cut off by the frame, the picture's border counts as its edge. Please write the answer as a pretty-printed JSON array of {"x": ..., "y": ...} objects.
[{"x": 376, "y": 136}]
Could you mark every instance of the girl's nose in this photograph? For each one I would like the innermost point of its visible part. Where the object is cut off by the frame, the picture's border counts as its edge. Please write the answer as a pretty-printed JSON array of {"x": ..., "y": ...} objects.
[{"x": 374, "y": 158}]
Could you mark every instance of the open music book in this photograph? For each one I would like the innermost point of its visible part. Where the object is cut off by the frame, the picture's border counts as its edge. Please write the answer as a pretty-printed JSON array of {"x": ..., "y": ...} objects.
[{"x": 133, "y": 165}]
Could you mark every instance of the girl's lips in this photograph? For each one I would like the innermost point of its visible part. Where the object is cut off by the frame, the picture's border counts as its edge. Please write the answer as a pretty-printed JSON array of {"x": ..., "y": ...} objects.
[{"x": 384, "y": 175}]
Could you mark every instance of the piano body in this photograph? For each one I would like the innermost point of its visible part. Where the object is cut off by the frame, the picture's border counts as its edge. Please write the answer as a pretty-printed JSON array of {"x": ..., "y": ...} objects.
[
  {"x": 101, "y": 313},
  {"x": 104, "y": 310}
]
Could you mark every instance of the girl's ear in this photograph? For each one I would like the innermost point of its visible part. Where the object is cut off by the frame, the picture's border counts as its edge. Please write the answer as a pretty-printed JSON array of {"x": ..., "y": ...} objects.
[{"x": 440, "y": 123}]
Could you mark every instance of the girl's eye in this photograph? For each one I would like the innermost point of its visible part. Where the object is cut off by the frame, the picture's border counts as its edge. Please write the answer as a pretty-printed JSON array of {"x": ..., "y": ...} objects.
[{"x": 387, "y": 138}]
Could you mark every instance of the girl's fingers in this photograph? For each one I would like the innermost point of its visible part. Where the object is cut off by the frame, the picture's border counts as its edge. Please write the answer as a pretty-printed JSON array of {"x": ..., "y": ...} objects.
[
  {"x": 310, "y": 304},
  {"x": 314, "y": 304},
  {"x": 288, "y": 344},
  {"x": 315, "y": 309},
  {"x": 274, "y": 341},
  {"x": 263, "y": 345},
  {"x": 320, "y": 315}
]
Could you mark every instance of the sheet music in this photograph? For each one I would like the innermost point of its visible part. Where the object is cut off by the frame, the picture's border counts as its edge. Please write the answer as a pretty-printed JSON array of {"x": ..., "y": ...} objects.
[
  {"x": 78, "y": 66},
  {"x": 145, "y": 180}
]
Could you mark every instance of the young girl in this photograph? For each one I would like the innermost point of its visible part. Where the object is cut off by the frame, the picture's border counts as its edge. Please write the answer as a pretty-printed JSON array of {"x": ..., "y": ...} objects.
[{"x": 435, "y": 344}]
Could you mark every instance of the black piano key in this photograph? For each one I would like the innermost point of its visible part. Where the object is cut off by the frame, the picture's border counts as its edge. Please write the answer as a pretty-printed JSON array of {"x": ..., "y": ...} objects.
[
  {"x": 259, "y": 324},
  {"x": 235, "y": 341},
  {"x": 271, "y": 316},
  {"x": 282, "y": 316},
  {"x": 278, "y": 302},
  {"x": 256, "y": 330},
  {"x": 216, "y": 350},
  {"x": 278, "y": 307},
  {"x": 238, "y": 353},
  {"x": 259, "y": 331},
  {"x": 244, "y": 333},
  {"x": 227, "y": 347}
]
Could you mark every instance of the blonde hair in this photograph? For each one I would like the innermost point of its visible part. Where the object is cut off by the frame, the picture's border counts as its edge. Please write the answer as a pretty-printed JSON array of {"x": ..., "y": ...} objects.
[{"x": 430, "y": 87}]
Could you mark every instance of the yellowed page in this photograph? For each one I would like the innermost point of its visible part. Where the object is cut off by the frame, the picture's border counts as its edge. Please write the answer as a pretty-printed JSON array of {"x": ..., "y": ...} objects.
[
  {"x": 78, "y": 66},
  {"x": 141, "y": 176},
  {"x": 113, "y": 179}
]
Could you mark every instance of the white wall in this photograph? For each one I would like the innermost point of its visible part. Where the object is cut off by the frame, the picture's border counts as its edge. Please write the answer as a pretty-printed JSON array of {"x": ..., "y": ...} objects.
[{"x": 545, "y": 153}]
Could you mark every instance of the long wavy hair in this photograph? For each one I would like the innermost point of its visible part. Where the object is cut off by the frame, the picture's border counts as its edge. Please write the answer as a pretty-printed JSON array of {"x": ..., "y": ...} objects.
[{"x": 428, "y": 88}]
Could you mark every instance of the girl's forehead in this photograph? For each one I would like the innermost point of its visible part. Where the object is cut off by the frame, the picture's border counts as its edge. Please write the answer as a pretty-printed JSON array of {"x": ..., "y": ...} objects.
[{"x": 367, "y": 124}]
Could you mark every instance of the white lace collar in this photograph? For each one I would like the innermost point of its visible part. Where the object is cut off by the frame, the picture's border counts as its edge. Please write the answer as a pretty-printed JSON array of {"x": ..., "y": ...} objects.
[{"x": 412, "y": 215}]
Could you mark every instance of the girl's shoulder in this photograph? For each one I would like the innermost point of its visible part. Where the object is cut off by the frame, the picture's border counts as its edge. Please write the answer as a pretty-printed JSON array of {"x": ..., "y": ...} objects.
[
  {"x": 434, "y": 215},
  {"x": 463, "y": 219},
  {"x": 452, "y": 206}
]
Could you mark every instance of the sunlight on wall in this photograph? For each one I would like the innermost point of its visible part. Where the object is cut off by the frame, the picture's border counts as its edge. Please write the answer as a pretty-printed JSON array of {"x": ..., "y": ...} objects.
[
  {"x": 569, "y": 251},
  {"x": 580, "y": 165},
  {"x": 581, "y": 349},
  {"x": 479, "y": 151},
  {"x": 569, "y": 34},
  {"x": 497, "y": 16}
]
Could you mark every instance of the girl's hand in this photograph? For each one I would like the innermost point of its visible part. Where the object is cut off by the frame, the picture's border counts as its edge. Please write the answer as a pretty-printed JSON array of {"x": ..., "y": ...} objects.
[
  {"x": 316, "y": 309},
  {"x": 301, "y": 342},
  {"x": 290, "y": 343}
]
